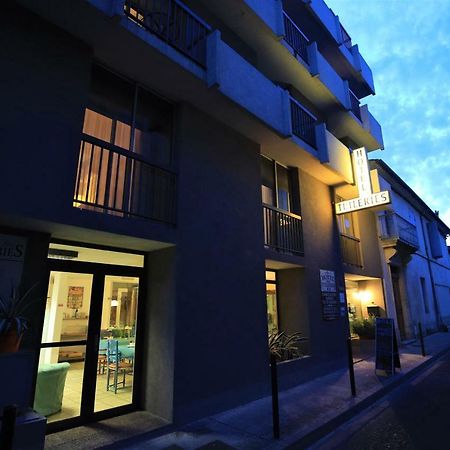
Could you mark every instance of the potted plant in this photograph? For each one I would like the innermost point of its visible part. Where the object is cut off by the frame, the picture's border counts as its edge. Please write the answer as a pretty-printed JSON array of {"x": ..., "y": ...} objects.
[
  {"x": 285, "y": 346},
  {"x": 13, "y": 322},
  {"x": 364, "y": 327}
]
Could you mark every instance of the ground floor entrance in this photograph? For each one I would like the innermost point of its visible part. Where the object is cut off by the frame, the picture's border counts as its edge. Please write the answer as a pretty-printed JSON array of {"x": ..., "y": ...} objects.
[
  {"x": 365, "y": 302},
  {"x": 89, "y": 356}
]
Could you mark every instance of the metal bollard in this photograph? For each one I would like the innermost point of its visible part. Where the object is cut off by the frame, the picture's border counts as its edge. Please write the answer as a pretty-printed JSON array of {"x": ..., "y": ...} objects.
[
  {"x": 350, "y": 366},
  {"x": 422, "y": 343},
  {"x": 275, "y": 407},
  {"x": 8, "y": 427}
]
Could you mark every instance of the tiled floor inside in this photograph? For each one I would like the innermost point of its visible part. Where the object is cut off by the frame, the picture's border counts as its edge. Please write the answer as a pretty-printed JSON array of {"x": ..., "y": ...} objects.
[{"x": 103, "y": 399}]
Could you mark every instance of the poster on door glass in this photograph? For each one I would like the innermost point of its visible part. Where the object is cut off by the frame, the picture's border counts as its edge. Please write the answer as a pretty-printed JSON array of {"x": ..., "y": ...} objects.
[{"x": 75, "y": 297}]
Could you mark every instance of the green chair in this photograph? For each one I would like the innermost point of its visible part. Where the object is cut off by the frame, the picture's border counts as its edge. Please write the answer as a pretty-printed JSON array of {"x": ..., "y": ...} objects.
[{"x": 50, "y": 382}]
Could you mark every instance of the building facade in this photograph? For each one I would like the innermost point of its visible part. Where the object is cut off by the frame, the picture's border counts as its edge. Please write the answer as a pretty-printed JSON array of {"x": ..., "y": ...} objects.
[
  {"x": 417, "y": 265},
  {"x": 170, "y": 175}
]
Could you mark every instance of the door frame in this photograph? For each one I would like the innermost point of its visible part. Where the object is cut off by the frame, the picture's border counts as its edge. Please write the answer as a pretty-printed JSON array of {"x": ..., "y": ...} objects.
[{"x": 98, "y": 271}]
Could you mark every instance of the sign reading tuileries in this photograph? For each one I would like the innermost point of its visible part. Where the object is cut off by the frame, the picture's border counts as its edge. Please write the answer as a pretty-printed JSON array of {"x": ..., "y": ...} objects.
[{"x": 367, "y": 198}]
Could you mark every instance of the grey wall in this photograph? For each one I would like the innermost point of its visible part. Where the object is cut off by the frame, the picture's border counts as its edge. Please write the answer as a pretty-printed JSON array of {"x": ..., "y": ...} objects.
[
  {"x": 292, "y": 301},
  {"x": 221, "y": 341},
  {"x": 367, "y": 223},
  {"x": 293, "y": 304},
  {"x": 47, "y": 76},
  {"x": 45, "y": 84},
  {"x": 159, "y": 334},
  {"x": 321, "y": 237}
]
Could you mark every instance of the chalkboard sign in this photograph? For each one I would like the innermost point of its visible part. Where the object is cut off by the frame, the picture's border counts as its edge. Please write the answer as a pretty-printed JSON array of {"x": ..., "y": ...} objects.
[{"x": 386, "y": 354}]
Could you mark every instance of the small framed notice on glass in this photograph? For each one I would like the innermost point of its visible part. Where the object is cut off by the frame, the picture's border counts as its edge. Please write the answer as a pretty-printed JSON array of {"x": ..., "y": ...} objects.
[{"x": 75, "y": 297}]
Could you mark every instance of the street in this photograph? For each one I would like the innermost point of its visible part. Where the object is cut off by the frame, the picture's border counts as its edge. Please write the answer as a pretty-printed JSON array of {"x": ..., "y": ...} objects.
[{"x": 414, "y": 416}]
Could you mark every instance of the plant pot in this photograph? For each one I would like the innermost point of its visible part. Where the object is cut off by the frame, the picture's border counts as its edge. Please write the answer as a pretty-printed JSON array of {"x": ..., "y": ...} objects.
[{"x": 10, "y": 341}]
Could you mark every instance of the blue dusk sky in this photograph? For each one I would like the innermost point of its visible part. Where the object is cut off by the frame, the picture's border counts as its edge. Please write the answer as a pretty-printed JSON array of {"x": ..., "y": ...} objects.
[{"x": 407, "y": 45}]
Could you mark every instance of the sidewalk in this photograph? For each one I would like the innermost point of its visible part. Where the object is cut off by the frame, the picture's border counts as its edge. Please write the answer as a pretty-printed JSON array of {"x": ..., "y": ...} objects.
[{"x": 307, "y": 412}]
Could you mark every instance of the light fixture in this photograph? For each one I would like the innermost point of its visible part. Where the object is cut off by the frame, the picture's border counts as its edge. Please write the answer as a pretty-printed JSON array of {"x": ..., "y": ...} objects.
[
  {"x": 59, "y": 253},
  {"x": 114, "y": 302}
]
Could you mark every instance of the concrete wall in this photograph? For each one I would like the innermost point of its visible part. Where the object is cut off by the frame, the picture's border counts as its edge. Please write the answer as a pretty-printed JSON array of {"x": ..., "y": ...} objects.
[
  {"x": 244, "y": 84},
  {"x": 371, "y": 125},
  {"x": 366, "y": 225},
  {"x": 328, "y": 76},
  {"x": 269, "y": 11},
  {"x": 327, "y": 17},
  {"x": 376, "y": 296},
  {"x": 293, "y": 303},
  {"x": 159, "y": 335},
  {"x": 221, "y": 321},
  {"x": 327, "y": 338},
  {"x": 47, "y": 74}
]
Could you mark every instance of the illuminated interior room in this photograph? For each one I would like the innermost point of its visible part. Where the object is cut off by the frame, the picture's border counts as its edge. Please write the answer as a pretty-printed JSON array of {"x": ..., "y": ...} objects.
[{"x": 68, "y": 330}]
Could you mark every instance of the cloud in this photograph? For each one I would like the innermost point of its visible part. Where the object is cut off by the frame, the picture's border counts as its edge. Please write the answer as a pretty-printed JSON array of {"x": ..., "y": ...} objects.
[{"x": 407, "y": 47}]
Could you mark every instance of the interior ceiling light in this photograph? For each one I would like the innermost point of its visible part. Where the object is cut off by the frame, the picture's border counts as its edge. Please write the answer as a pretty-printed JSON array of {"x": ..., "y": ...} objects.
[{"x": 59, "y": 253}]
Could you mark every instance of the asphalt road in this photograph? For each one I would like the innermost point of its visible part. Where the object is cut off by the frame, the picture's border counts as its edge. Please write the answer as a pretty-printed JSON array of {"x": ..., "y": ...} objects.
[{"x": 414, "y": 416}]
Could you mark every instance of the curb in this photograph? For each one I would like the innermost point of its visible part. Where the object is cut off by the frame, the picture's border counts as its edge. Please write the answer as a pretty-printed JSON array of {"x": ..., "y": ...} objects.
[{"x": 326, "y": 428}]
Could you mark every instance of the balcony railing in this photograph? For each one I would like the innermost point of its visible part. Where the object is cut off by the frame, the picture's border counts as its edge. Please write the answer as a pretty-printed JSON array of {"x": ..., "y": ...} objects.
[
  {"x": 119, "y": 182},
  {"x": 394, "y": 227},
  {"x": 351, "y": 250},
  {"x": 354, "y": 103},
  {"x": 295, "y": 38},
  {"x": 174, "y": 23},
  {"x": 303, "y": 123},
  {"x": 346, "y": 39},
  {"x": 282, "y": 231}
]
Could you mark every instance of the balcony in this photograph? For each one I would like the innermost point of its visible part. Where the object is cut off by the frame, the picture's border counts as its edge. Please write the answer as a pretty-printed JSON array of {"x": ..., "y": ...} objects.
[
  {"x": 282, "y": 231},
  {"x": 394, "y": 230},
  {"x": 351, "y": 250},
  {"x": 303, "y": 123},
  {"x": 118, "y": 182},
  {"x": 354, "y": 103},
  {"x": 172, "y": 22},
  {"x": 295, "y": 38},
  {"x": 359, "y": 125}
]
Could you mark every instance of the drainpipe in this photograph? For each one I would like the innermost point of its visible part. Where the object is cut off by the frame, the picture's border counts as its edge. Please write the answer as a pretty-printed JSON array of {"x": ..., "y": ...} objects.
[{"x": 439, "y": 322}]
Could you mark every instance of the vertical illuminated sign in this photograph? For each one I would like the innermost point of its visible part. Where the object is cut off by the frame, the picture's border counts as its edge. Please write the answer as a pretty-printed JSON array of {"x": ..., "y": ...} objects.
[{"x": 367, "y": 198}]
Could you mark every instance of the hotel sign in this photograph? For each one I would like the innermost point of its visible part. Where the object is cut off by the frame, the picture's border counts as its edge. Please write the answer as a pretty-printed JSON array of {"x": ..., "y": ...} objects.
[{"x": 367, "y": 198}]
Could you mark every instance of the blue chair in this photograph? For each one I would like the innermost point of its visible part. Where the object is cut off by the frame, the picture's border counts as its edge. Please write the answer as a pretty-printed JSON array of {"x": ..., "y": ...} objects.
[{"x": 114, "y": 365}]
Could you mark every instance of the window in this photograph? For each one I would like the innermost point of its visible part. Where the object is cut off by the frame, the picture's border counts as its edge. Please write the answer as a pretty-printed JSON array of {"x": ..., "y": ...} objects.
[
  {"x": 278, "y": 185},
  {"x": 129, "y": 117},
  {"x": 424, "y": 295},
  {"x": 126, "y": 143},
  {"x": 271, "y": 297},
  {"x": 347, "y": 222}
]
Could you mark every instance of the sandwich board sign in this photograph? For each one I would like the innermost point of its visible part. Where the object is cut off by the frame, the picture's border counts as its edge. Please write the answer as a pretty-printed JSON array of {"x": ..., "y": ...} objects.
[{"x": 386, "y": 349}]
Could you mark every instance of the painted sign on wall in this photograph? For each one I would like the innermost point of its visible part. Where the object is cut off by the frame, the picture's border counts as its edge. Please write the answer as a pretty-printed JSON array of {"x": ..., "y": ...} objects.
[
  {"x": 367, "y": 198},
  {"x": 12, "y": 254}
]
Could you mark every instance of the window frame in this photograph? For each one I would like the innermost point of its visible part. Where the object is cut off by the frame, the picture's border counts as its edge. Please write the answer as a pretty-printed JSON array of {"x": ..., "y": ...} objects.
[{"x": 136, "y": 86}]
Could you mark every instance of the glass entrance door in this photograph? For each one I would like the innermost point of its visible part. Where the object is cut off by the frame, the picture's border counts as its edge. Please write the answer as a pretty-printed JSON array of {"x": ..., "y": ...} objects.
[
  {"x": 87, "y": 357},
  {"x": 61, "y": 369},
  {"x": 116, "y": 350}
]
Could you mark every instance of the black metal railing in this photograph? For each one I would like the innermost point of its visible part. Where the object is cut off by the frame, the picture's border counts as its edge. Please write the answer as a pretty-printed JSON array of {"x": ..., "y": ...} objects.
[
  {"x": 117, "y": 181},
  {"x": 392, "y": 226},
  {"x": 351, "y": 250},
  {"x": 354, "y": 104},
  {"x": 282, "y": 231},
  {"x": 303, "y": 123},
  {"x": 295, "y": 38},
  {"x": 346, "y": 39},
  {"x": 174, "y": 23}
]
